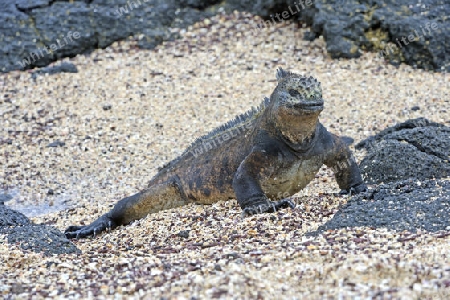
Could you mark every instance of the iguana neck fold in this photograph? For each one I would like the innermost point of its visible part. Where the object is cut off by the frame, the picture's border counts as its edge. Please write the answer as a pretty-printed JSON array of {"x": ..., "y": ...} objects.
[{"x": 299, "y": 133}]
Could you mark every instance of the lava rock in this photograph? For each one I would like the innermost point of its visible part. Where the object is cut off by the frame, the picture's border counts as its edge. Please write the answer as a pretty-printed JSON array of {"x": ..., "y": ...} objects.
[
  {"x": 56, "y": 143},
  {"x": 183, "y": 234},
  {"x": 405, "y": 205},
  {"x": 350, "y": 26},
  {"x": 38, "y": 238},
  {"x": 29, "y": 28},
  {"x": 64, "y": 67},
  {"x": 4, "y": 197},
  {"x": 416, "y": 148},
  {"x": 107, "y": 107},
  {"x": 347, "y": 140},
  {"x": 399, "y": 30},
  {"x": 10, "y": 217},
  {"x": 35, "y": 33}
]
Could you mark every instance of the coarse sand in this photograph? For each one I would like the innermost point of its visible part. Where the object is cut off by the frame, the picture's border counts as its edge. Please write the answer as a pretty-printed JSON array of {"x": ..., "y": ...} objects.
[{"x": 128, "y": 111}]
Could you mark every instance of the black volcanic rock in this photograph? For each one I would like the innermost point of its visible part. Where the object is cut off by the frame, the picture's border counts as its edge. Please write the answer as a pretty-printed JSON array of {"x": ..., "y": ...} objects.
[
  {"x": 416, "y": 148},
  {"x": 38, "y": 238},
  {"x": 30, "y": 28},
  {"x": 404, "y": 205}
]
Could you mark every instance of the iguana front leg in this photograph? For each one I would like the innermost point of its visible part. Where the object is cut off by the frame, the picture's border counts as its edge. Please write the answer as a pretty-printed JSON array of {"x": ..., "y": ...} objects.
[
  {"x": 156, "y": 198},
  {"x": 341, "y": 160},
  {"x": 247, "y": 188}
]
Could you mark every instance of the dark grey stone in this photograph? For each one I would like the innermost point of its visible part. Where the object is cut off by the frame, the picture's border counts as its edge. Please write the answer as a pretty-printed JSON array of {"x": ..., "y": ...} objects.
[
  {"x": 405, "y": 161},
  {"x": 347, "y": 139},
  {"x": 29, "y": 27},
  {"x": 430, "y": 52},
  {"x": 183, "y": 234},
  {"x": 416, "y": 148},
  {"x": 309, "y": 36},
  {"x": 405, "y": 205},
  {"x": 408, "y": 124},
  {"x": 56, "y": 143},
  {"x": 4, "y": 197},
  {"x": 394, "y": 160},
  {"x": 39, "y": 238},
  {"x": 349, "y": 25},
  {"x": 64, "y": 67},
  {"x": 26, "y": 5},
  {"x": 9, "y": 217}
]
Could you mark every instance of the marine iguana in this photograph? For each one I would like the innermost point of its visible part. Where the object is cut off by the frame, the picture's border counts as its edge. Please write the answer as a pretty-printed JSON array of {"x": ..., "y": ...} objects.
[{"x": 273, "y": 149}]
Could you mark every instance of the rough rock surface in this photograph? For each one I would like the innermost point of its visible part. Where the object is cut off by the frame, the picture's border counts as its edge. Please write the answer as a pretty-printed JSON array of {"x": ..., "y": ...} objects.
[
  {"x": 4, "y": 197},
  {"x": 405, "y": 157},
  {"x": 37, "y": 238},
  {"x": 9, "y": 217},
  {"x": 404, "y": 205},
  {"x": 64, "y": 67},
  {"x": 28, "y": 28},
  {"x": 416, "y": 148},
  {"x": 400, "y": 30}
]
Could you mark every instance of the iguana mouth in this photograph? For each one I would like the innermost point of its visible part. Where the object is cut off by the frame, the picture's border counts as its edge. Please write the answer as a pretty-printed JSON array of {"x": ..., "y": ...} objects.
[{"x": 313, "y": 106}]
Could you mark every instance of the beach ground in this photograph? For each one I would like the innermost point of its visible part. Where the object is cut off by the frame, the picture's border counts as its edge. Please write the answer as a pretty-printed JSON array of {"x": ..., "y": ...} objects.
[{"x": 128, "y": 111}]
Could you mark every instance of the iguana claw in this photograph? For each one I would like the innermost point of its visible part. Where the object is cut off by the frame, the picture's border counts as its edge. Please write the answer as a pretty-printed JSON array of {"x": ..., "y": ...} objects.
[
  {"x": 355, "y": 190},
  {"x": 94, "y": 228},
  {"x": 269, "y": 207}
]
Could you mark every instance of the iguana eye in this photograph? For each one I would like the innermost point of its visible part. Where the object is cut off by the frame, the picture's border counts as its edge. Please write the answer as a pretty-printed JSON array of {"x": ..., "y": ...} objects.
[
  {"x": 311, "y": 95},
  {"x": 293, "y": 93}
]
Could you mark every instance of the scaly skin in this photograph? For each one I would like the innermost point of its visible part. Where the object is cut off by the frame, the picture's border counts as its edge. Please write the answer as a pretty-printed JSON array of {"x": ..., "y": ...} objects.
[{"x": 274, "y": 149}]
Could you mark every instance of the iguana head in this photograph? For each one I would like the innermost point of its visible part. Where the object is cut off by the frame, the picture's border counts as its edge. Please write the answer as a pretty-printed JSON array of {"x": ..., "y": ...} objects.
[
  {"x": 298, "y": 93},
  {"x": 296, "y": 104}
]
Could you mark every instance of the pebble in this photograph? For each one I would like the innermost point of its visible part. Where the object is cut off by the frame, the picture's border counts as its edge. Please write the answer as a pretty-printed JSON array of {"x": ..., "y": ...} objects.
[
  {"x": 5, "y": 197},
  {"x": 56, "y": 143}
]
